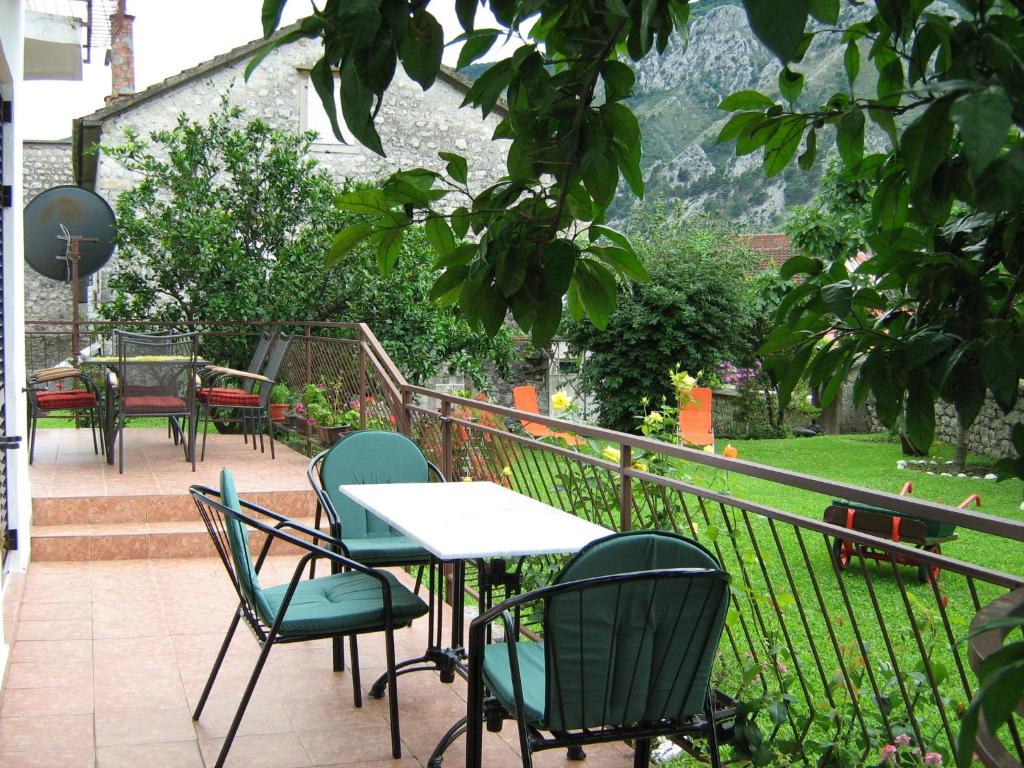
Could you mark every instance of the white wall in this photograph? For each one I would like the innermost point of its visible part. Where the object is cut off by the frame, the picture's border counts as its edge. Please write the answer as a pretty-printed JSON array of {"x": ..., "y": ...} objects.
[{"x": 19, "y": 510}]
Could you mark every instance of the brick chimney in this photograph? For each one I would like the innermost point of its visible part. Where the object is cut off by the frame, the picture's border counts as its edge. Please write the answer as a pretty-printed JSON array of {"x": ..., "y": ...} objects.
[{"x": 122, "y": 56}]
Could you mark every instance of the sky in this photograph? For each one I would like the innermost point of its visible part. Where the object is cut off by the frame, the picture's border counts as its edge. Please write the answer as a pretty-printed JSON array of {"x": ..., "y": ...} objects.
[{"x": 170, "y": 36}]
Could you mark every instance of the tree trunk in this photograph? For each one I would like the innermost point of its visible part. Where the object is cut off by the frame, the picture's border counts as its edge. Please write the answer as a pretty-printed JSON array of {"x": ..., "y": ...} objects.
[{"x": 960, "y": 459}]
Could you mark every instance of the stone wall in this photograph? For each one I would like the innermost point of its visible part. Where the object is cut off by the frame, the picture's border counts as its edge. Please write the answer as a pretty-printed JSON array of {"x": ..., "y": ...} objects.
[
  {"x": 990, "y": 433},
  {"x": 46, "y": 164}
]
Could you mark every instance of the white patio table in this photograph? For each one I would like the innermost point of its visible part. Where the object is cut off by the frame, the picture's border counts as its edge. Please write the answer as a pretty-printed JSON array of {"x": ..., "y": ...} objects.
[{"x": 458, "y": 522}]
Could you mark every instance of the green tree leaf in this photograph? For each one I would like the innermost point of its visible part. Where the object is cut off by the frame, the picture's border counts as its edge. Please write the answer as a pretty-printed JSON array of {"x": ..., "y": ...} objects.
[
  {"x": 345, "y": 240},
  {"x": 920, "y": 414},
  {"x": 984, "y": 120},
  {"x": 781, "y": 30},
  {"x": 440, "y": 236},
  {"x": 745, "y": 100},
  {"x": 474, "y": 45}
]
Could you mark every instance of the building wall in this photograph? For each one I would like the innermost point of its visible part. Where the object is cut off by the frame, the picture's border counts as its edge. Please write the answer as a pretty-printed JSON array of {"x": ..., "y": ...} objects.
[{"x": 414, "y": 125}]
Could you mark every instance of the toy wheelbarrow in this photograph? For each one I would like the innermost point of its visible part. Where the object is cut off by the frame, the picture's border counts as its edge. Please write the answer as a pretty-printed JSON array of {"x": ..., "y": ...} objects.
[{"x": 928, "y": 535}]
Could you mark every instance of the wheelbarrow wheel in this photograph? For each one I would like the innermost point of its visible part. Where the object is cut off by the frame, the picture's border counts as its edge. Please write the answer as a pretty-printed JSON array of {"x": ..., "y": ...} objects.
[
  {"x": 841, "y": 554},
  {"x": 926, "y": 574}
]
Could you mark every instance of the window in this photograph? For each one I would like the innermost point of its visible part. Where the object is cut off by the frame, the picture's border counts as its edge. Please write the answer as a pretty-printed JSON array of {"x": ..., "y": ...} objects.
[{"x": 315, "y": 118}]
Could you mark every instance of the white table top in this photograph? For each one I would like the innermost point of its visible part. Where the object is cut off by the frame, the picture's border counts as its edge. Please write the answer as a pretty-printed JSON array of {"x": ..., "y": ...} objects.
[{"x": 466, "y": 521}]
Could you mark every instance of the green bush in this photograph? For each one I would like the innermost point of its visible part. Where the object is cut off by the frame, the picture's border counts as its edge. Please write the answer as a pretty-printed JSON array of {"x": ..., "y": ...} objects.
[{"x": 693, "y": 312}]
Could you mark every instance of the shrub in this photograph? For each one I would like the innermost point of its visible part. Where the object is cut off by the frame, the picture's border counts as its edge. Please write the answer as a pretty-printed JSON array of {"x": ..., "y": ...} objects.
[{"x": 692, "y": 313}]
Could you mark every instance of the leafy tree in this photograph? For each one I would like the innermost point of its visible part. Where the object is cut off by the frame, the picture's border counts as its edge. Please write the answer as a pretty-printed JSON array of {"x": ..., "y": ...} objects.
[
  {"x": 949, "y": 96},
  {"x": 231, "y": 220},
  {"x": 693, "y": 312}
]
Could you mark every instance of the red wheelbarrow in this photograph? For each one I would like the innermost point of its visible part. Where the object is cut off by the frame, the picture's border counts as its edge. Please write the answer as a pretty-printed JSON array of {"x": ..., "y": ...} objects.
[{"x": 928, "y": 535}]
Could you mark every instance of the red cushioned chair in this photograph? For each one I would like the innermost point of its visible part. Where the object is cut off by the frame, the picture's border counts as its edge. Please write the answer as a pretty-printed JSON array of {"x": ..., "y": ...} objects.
[
  {"x": 252, "y": 398},
  {"x": 62, "y": 389},
  {"x": 155, "y": 377}
]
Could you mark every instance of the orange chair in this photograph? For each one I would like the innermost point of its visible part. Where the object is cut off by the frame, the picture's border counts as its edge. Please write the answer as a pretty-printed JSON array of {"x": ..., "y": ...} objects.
[
  {"x": 525, "y": 399},
  {"x": 695, "y": 427}
]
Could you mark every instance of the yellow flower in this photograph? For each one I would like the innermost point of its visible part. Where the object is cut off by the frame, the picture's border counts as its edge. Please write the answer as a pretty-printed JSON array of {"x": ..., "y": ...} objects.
[
  {"x": 654, "y": 417},
  {"x": 709, "y": 449},
  {"x": 640, "y": 465},
  {"x": 560, "y": 401},
  {"x": 507, "y": 471},
  {"x": 612, "y": 454},
  {"x": 467, "y": 479}
]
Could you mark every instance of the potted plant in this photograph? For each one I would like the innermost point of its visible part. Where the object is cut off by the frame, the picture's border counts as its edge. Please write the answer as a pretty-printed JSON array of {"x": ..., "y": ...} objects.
[
  {"x": 280, "y": 397},
  {"x": 327, "y": 412}
]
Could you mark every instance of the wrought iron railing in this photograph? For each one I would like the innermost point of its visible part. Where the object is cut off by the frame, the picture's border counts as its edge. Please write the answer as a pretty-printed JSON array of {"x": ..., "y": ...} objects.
[{"x": 829, "y": 664}]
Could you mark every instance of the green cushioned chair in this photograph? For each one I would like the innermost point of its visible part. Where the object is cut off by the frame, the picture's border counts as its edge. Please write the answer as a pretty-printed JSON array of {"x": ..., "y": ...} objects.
[
  {"x": 630, "y": 630},
  {"x": 368, "y": 456},
  {"x": 354, "y": 600}
]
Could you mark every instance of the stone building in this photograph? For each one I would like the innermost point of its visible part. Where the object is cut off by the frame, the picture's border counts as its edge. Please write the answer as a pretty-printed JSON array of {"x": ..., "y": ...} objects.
[{"x": 414, "y": 126}]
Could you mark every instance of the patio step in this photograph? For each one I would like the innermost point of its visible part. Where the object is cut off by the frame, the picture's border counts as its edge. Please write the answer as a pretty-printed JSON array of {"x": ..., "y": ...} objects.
[
  {"x": 131, "y": 541},
  {"x": 153, "y": 508}
]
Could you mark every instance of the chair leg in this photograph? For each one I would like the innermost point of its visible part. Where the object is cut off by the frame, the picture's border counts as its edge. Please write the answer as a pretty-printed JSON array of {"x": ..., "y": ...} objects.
[
  {"x": 709, "y": 713},
  {"x": 206, "y": 426},
  {"x": 216, "y": 665},
  {"x": 642, "y": 753},
  {"x": 240, "y": 713},
  {"x": 396, "y": 738},
  {"x": 33, "y": 425},
  {"x": 120, "y": 444},
  {"x": 353, "y": 648},
  {"x": 270, "y": 432}
]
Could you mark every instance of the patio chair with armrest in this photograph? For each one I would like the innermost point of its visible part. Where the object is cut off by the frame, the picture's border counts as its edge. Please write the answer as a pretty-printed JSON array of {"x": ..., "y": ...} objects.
[
  {"x": 155, "y": 377},
  {"x": 630, "y": 630},
  {"x": 358, "y": 600},
  {"x": 214, "y": 373},
  {"x": 252, "y": 404},
  {"x": 368, "y": 456},
  {"x": 525, "y": 399},
  {"x": 43, "y": 400}
]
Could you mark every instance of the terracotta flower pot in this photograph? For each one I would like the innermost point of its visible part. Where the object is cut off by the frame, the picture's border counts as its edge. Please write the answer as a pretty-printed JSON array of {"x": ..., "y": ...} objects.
[{"x": 278, "y": 411}]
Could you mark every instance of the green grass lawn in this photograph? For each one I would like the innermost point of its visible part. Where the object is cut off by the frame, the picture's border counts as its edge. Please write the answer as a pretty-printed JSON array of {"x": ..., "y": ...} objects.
[{"x": 870, "y": 461}]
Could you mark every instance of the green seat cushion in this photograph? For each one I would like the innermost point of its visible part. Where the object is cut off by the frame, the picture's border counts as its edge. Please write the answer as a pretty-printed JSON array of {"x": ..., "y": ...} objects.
[
  {"x": 498, "y": 677},
  {"x": 386, "y": 549},
  {"x": 342, "y": 602}
]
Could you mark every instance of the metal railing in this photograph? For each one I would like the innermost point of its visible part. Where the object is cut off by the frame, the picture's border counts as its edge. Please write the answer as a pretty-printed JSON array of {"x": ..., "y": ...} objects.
[{"x": 830, "y": 665}]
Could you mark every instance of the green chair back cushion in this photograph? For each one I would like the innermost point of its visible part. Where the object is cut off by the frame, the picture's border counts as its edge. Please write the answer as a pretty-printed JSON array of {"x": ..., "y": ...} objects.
[
  {"x": 370, "y": 456},
  {"x": 640, "y": 652},
  {"x": 238, "y": 538}
]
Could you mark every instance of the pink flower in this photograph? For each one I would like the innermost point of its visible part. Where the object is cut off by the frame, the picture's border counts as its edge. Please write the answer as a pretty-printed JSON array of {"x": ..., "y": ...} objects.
[
  {"x": 781, "y": 666},
  {"x": 933, "y": 758},
  {"x": 311, "y": 422},
  {"x": 903, "y": 740},
  {"x": 888, "y": 753}
]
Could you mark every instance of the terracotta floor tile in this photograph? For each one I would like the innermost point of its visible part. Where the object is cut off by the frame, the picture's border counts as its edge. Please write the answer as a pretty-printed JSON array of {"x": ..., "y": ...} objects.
[
  {"x": 71, "y": 629},
  {"x": 52, "y": 650},
  {"x": 351, "y": 744},
  {"x": 175, "y": 754},
  {"x": 59, "y": 611},
  {"x": 40, "y": 734},
  {"x": 49, "y": 674},
  {"x": 119, "y": 727},
  {"x": 261, "y": 716},
  {"x": 81, "y": 758},
  {"x": 36, "y": 702},
  {"x": 276, "y": 750}
]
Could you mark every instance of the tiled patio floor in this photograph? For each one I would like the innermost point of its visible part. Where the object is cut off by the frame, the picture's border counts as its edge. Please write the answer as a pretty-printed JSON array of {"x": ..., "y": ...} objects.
[{"x": 109, "y": 657}]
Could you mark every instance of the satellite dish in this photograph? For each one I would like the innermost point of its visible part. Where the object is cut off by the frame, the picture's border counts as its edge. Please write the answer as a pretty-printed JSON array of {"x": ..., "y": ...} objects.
[{"x": 55, "y": 216}]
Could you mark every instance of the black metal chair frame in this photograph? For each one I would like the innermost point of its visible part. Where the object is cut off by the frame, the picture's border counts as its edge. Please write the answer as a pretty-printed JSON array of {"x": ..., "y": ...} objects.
[
  {"x": 268, "y": 636},
  {"x": 211, "y": 373},
  {"x": 48, "y": 375},
  {"x": 324, "y": 504},
  {"x": 251, "y": 415},
  {"x": 186, "y": 434},
  {"x": 489, "y": 710}
]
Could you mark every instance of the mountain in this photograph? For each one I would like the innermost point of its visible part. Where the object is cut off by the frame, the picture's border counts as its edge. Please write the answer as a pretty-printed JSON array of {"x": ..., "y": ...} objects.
[{"x": 676, "y": 101}]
